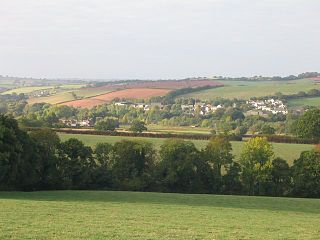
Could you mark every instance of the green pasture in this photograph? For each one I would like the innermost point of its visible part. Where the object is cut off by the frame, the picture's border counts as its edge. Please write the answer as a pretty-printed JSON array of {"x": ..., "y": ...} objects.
[
  {"x": 289, "y": 152},
  {"x": 36, "y": 88},
  {"x": 53, "y": 99},
  {"x": 247, "y": 90},
  {"x": 178, "y": 129},
  {"x": 315, "y": 101},
  {"x": 26, "y": 89},
  {"x": 135, "y": 215}
]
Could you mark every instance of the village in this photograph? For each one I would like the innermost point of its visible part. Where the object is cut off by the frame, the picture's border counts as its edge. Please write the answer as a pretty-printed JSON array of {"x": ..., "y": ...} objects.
[
  {"x": 259, "y": 107},
  {"x": 268, "y": 105}
]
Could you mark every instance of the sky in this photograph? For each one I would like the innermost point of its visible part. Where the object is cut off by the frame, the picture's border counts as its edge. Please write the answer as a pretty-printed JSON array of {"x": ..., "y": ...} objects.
[{"x": 158, "y": 39}]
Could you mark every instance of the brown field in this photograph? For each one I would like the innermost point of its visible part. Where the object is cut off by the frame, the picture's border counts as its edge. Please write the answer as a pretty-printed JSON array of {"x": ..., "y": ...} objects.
[{"x": 137, "y": 93}]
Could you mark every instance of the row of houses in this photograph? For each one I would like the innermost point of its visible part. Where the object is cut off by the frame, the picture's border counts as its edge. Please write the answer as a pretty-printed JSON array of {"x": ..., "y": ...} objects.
[
  {"x": 77, "y": 123},
  {"x": 143, "y": 106},
  {"x": 203, "y": 108},
  {"x": 269, "y": 105}
]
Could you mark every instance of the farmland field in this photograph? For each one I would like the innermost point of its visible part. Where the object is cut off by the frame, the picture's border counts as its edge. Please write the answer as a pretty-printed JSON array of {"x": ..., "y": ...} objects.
[
  {"x": 136, "y": 215},
  {"x": 137, "y": 93},
  {"x": 36, "y": 88},
  {"x": 177, "y": 129},
  {"x": 315, "y": 101},
  {"x": 246, "y": 89},
  {"x": 286, "y": 151},
  {"x": 26, "y": 89},
  {"x": 54, "y": 99}
]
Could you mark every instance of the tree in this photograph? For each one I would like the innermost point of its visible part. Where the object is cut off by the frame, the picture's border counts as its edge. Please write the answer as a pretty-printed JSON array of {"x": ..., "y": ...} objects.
[
  {"x": 256, "y": 164},
  {"x": 138, "y": 126},
  {"x": 131, "y": 164},
  {"x": 48, "y": 143},
  {"x": 218, "y": 154},
  {"x": 281, "y": 177},
  {"x": 231, "y": 180},
  {"x": 19, "y": 161},
  {"x": 75, "y": 163},
  {"x": 109, "y": 124},
  {"x": 267, "y": 129},
  {"x": 308, "y": 125},
  {"x": 47, "y": 137},
  {"x": 182, "y": 169},
  {"x": 306, "y": 175},
  {"x": 102, "y": 173}
]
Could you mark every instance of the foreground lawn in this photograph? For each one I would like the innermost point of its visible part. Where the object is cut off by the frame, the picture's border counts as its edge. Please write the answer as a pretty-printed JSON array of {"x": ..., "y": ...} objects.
[
  {"x": 289, "y": 152},
  {"x": 129, "y": 215}
]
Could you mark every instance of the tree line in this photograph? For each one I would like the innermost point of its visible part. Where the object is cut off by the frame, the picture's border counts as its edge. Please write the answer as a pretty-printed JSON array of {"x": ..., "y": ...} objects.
[{"x": 40, "y": 161}]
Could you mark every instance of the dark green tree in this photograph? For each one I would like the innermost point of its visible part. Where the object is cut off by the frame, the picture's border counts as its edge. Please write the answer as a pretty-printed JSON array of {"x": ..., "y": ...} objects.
[
  {"x": 75, "y": 163},
  {"x": 132, "y": 164},
  {"x": 182, "y": 169},
  {"x": 281, "y": 177},
  {"x": 306, "y": 175},
  {"x": 308, "y": 125},
  {"x": 218, "y": 154},
  {"x": 109, "y": 124},
  {"x": 138, "y": 126},
  {"x": 19, "y": 161}
]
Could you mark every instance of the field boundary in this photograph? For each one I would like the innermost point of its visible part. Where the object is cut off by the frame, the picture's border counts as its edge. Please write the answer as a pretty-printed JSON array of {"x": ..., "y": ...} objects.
[{"x": 270, "y": 138}]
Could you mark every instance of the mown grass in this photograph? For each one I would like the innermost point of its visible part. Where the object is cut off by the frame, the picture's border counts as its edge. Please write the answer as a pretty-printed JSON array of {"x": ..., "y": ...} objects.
[
  {"x": 134, "y": 215},
  {"x": 247, "y": 90},
  {"x": 289, "y": 152}
]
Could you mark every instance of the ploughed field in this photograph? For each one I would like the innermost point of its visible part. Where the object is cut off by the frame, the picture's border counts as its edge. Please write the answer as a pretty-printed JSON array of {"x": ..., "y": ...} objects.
[
  {"x": 138, "y": 93},
  {"x": 287, "y": 151},
  {"x": 92, "y": 96},
  {"x": 136, "y": 215}
]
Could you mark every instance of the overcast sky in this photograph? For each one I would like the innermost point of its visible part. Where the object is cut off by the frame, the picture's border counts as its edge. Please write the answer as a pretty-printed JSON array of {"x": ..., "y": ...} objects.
[{"x": 158, "y": 38}]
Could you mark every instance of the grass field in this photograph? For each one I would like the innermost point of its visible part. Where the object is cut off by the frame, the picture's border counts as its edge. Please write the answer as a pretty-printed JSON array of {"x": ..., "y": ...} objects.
[
  {"x": 304, "y": 102},
  {"x": 133, "y": 215},
  {"x": 54, "y": 99},
  {"x": 288, "y": 152},
  {"x": 246, "y": 89},
  {"x": 177, "y": 130},
  {"x": 26, "y": 89},
  {"x": 31, "y": 89}
]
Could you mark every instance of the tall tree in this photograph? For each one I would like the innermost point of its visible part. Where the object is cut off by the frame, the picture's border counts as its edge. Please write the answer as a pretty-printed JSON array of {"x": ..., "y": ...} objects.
[
  {"x": 182, "y": 169},
  {"x": 131, "y": 164},
  {"x": 218, "y": 154},
  {"x": 308, "y": 125},
  {"x": 256, "y": 161},
  {"x": 75, "y": 163},
  {"x": 306, "y": 175},
  {"x": 19, "y": 164}
]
